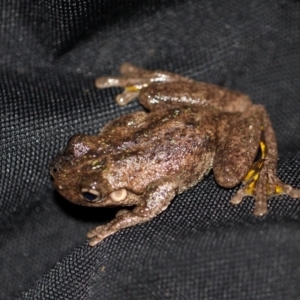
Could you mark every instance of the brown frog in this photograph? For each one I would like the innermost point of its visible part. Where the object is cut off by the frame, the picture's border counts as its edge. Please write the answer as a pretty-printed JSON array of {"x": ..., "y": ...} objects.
[{"x": 145, "y": 159}]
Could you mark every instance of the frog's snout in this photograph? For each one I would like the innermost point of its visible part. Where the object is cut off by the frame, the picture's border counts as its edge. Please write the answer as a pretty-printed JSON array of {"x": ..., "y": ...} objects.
[{"x": 58, "y": 164}]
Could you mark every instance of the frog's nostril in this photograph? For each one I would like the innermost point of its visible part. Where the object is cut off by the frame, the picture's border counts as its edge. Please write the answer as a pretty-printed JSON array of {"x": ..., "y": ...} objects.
[
  {"x": 54, "y": 167},
  {"x": 90, "y": 195},
  {"x": 60, "y": 163},
  {"x": 53, "y": 170}
]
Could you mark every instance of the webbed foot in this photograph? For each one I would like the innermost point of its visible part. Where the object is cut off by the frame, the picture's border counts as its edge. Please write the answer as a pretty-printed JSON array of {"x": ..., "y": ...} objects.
[{"x": 262, "y": 183}]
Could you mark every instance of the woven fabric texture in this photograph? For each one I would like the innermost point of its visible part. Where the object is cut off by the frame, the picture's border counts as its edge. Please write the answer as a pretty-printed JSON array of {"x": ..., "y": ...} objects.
[{"x": 201, "y": 247}]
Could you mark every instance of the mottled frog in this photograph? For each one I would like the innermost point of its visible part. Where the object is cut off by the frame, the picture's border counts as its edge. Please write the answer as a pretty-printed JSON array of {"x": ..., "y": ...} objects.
[{"x": 144, "y": 159}]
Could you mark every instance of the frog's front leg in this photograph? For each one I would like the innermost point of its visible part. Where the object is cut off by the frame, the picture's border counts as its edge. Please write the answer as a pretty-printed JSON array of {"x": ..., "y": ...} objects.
[
  {"x": 234, "y": 160},
  {"x": 134, "y": 79},
  {"x": 155, "y": 200}
]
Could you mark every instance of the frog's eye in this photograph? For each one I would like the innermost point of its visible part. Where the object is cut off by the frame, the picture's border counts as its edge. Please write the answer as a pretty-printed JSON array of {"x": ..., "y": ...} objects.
[{"x": 90, "y": 195}]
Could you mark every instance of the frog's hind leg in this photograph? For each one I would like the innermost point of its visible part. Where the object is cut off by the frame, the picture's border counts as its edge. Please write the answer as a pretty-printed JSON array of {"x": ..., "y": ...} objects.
[
  {"x": 134, "y": 79},
  {"x": 261, "y": 181}
]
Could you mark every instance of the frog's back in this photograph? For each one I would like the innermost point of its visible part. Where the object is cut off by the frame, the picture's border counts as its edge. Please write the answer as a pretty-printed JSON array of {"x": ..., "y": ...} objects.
[{"x": 176, "y": 142}]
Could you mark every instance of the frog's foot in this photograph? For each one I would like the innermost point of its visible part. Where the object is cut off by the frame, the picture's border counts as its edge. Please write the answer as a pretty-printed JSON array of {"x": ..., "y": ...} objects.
[
  {"x": 133, "y": 79},
  {"x": 262, "y": 184},
  {"x": 124, "y": 219},
  {"x": 93, "y": 232},
  {"x": 96, "y": 235}
]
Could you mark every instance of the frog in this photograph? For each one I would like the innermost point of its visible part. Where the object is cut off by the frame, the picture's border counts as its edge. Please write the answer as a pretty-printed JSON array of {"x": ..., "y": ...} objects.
[{"x": 140, "y": 161}]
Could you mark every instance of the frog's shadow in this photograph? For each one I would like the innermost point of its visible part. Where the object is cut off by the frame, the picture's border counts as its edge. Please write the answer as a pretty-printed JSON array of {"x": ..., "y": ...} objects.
[{"x": 84, "y": 213}]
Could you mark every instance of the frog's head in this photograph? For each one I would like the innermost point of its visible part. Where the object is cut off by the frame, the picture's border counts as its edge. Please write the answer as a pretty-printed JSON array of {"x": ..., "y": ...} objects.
[{"x": 79, "y": 174}]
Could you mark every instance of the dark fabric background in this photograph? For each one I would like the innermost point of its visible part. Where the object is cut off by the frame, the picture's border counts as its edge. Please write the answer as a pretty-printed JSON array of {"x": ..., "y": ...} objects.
[{"x": 201, "y": 247}]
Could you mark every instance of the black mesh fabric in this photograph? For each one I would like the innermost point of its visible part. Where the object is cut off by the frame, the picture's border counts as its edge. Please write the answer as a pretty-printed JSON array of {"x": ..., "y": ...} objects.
[{"x": 201, "y": 247}]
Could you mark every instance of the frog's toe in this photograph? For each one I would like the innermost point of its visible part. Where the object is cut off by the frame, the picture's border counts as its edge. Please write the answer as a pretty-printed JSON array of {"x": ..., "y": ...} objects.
[
  {"x": 100, "y": 235},
  {"x": 93, "y": 232},
  {"x": 294, "y": 193},
  {"x": 126, "y": 97},
  {"x": 260, "y": 206},
  {"x": 94, "y": 241},
  {"x": 128, "y": 68},
  {"x": 106, "y": 82},
  {"x": 286, "y": 189},
  {"x": 238, "y": 197}
]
